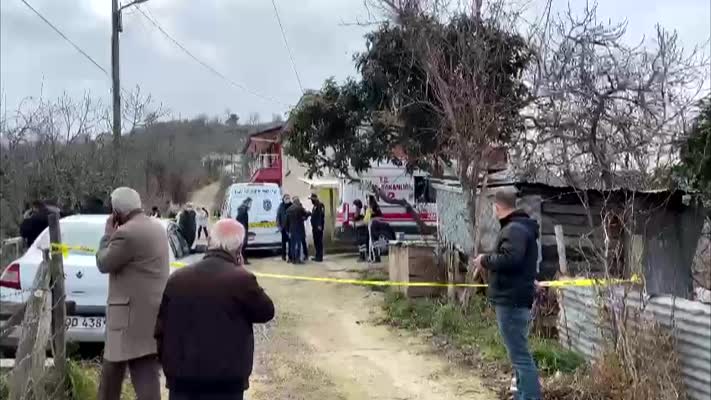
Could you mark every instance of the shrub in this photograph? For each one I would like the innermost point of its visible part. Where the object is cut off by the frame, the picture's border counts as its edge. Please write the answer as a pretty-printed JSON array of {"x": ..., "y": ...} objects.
[
  {"x": 551, "y": 357},
  {"x": 472, "y": 327}
]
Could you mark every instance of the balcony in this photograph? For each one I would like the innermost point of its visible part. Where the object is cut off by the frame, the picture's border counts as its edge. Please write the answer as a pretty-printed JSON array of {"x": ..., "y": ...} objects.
[{"x": 267, "y": 168}]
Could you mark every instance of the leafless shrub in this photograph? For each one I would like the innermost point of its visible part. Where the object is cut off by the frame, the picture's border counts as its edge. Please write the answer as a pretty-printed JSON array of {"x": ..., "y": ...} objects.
[{"x": 647, "y": 368}]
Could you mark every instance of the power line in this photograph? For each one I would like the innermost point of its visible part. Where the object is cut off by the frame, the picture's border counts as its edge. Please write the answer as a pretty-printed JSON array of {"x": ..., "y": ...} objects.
[
  {"x": 79, "y": 49},
  {"x": 60, "y": 33},
  {"x": 288, "y": 48},
  {"x": 155, "y": 23}
]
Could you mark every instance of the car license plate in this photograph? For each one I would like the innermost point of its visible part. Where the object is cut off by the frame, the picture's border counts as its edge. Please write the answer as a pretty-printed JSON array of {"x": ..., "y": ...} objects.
[{"x": 86, "y": 322}]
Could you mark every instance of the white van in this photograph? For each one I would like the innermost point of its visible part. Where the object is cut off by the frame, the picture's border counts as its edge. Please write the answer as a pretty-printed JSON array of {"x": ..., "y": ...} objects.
[{"x": 266, "y": 197}]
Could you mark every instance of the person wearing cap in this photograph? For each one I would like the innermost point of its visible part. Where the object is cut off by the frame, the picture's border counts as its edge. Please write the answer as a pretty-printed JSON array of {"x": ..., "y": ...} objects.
[{"x": 318, "y": 221}]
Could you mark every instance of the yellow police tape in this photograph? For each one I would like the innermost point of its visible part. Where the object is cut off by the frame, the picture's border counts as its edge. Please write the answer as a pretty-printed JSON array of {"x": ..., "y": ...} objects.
[{"x": 579, "y": 282}]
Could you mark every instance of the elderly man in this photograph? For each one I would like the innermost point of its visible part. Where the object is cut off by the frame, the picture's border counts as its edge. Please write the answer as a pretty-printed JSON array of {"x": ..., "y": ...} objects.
[
  {"x": 134, "y": 252},
  {"x": 204, "y": 327}
]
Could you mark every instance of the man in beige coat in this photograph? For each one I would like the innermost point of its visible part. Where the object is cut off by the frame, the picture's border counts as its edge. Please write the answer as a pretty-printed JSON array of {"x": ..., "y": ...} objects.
[{"x": 134, "y": 252}]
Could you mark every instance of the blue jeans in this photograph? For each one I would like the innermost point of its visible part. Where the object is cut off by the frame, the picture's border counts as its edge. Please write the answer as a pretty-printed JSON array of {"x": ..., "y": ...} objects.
[
  {"x": 513, "y": 325},
  {"x": 296, "y": 242}
]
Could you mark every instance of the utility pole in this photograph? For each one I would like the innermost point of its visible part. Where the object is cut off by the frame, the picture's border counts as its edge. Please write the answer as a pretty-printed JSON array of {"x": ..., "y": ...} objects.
[
  {"x": 116, "y": 29},
  {"x": 116, "y": 83}
]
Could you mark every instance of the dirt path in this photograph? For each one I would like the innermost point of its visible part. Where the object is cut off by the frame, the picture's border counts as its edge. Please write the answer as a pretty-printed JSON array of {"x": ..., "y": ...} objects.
[
  {"x": 205, "y": 196},
  {"x": 326, "y": 344}
]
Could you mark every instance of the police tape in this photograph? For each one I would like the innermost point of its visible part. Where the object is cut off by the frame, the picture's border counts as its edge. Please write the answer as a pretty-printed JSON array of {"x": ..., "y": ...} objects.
[{"x": 573, "y": 282}]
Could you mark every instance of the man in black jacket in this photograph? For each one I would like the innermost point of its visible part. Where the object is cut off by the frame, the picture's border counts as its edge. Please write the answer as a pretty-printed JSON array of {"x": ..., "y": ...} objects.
[
  {"x": 243, "y": 218},
  {"x": 295, "y": 218},
  {"x": 35, "y": 222},
  {"x": 204, "y": 328},
  {"x": 512, "y": 273},
  {"x": 281, "y": 224},
  {"x": 187, "y": 224},
  {"x": 318, "y": 221}
]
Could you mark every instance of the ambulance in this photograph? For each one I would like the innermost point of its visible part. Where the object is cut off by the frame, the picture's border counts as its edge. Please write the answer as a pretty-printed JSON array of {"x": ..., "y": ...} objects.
[{"x": 396, "y": 183}]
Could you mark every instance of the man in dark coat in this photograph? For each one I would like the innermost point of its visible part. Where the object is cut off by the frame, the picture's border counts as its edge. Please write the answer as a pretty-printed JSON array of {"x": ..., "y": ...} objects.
[
  {"x": 187, "y": 224},
  {"x": 318, "y": 221},
  {"x": 204, "y": 328},
  {"x": 295, "y": 218},
  {"x": 512, "y": 273},
  {"x": 36, "y": 222},
  {"x": 281, "y": 224},
  {"x": 243, "y": 218}
]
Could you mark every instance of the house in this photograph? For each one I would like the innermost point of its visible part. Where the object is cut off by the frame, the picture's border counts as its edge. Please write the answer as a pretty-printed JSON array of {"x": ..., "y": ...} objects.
[
  {"x": 265, "y": 152},
  {"x": 620, "y": 231},
  {"x": 270, "y": 163}
]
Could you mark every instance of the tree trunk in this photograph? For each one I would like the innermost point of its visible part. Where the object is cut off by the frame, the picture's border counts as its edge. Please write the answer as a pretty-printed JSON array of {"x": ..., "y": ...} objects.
[{"x": 474, "y": 205}]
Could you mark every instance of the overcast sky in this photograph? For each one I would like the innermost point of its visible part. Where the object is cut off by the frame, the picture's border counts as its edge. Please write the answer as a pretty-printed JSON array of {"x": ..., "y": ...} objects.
[{"x": 240, "y": 38}]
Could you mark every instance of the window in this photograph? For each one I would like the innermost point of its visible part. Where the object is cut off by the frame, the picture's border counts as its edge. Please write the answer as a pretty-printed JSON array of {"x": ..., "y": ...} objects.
[
  {"x": 424, "y": 192},
  {"x": 75, "y": 234}
]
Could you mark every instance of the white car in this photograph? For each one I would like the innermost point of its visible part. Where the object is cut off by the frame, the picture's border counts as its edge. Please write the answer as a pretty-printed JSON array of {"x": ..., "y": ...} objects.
[{"x": 86, "y": 287}]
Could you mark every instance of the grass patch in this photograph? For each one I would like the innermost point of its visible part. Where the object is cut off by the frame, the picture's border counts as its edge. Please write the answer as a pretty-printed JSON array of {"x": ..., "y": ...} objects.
[
  {"x": 4, "y": 385},
  {"x": 374, "y": 274},
  {"x": 473, "y": 327},
  {"x": 82, "y": 382}
]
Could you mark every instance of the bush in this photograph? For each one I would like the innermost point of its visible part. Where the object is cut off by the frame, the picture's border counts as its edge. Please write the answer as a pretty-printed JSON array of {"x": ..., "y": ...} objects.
[
  {"x": 83, "y": 380},
  {"x": 551, "y": 357},
  {"x": 4, "y": 386},
  {"x": 473, "y": 327}
]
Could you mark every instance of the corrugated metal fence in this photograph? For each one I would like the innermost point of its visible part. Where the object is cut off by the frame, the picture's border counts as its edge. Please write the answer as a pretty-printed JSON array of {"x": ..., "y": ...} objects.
[{"x": 689, "y": 321}]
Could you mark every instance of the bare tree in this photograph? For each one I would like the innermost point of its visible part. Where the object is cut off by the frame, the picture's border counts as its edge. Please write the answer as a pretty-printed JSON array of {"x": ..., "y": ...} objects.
[
  {"x": 253, "y": 119},
  {"x": 604, "y": 107}
]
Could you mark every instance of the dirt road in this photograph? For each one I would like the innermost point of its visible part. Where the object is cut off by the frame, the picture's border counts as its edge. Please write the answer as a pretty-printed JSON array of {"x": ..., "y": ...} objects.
[
  {"x": 326, "y": 344},
  {"x": 205, "y": 196}
]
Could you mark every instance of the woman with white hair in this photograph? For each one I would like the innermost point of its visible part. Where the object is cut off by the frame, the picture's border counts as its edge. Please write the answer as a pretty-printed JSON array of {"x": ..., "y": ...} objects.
[{"x": 211, "y": 306}]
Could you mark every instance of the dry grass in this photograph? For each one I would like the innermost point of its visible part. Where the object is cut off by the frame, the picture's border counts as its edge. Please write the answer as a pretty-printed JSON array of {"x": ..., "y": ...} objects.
[{"x": 643, "y": 366}]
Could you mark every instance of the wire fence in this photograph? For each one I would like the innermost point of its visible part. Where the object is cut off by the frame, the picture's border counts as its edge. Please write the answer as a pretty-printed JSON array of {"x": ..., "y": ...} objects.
[{"x": 38, "y": 327}]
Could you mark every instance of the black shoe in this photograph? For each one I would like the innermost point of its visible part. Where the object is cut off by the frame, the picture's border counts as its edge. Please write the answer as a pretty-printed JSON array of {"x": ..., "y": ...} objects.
[{"x": 317, "y": 259}]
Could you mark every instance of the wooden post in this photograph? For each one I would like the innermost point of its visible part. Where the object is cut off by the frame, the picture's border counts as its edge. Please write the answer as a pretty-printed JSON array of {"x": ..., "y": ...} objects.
[
  {"x": 59, "y": 310},
  {"x": 452, "y": 263},
  {"x": 560, "y": 242},
  {"x": 563, "y": 263},
  {"x": 27, "y": 381}
]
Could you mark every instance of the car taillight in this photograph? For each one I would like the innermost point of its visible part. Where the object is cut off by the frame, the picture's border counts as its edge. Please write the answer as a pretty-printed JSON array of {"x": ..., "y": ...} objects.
[{"x": 11, "y": 277}]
